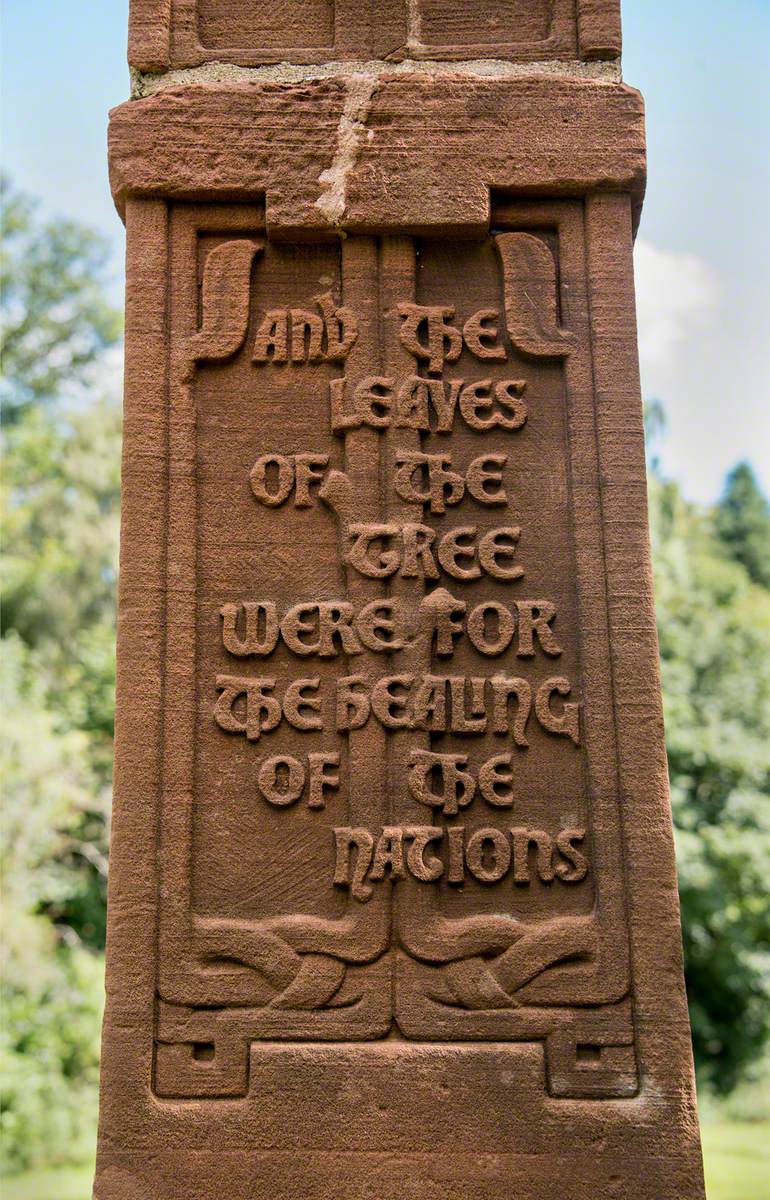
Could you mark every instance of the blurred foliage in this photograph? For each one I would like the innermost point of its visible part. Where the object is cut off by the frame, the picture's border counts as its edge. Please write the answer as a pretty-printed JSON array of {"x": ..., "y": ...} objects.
[
  {"x": 714, "y": 629},
  {"x": 55, "y": 319},
  {"x": 49, "y": 1047},
  {"x": 743, "y": 523},
  {"x": 59, "y": 495}
]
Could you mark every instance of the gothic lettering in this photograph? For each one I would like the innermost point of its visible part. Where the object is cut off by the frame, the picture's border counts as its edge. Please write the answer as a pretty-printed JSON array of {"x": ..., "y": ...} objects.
[{"x": 520, "y": 856}]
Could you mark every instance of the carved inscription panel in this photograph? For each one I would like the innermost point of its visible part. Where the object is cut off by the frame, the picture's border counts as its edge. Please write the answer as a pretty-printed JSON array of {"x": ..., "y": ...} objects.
[{"x": 391, "y": 797}]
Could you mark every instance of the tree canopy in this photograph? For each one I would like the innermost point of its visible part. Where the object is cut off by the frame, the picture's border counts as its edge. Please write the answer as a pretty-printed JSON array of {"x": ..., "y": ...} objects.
[
  {"x": 59, "y": 498},
  {"x": 743, "y": 523},
  {"x": 54, "y": 319},
  {"x": 714, "y": 630}
]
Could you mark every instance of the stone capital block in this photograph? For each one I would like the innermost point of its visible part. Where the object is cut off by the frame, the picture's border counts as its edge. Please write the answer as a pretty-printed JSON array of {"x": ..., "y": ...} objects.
[
  {"x": 367, "y": 154},
  {"x": 393, "y": 899}
]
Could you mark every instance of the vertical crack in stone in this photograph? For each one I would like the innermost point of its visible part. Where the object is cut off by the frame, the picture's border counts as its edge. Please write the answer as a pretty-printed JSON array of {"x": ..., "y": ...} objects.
[
  {"x": 351, "y": 133},
  {"x": 414, "y": 28}
]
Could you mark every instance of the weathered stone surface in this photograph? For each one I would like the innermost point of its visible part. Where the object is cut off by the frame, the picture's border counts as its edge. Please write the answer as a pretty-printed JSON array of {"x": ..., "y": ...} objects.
[
  {"x": 393, "y": 904},
  {"x": 379, "y": 153},
  {"x": 186, "y": 33}
]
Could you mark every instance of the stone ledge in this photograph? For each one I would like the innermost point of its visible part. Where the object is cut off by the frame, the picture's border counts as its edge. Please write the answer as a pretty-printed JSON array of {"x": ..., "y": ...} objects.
[
  {"x": 148, "y": 83},
  {"x": 357, "y": 153}
]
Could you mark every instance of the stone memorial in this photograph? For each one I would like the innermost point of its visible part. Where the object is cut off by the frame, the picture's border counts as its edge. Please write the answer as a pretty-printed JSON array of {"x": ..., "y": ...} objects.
[{"x": 393, "y": 906}]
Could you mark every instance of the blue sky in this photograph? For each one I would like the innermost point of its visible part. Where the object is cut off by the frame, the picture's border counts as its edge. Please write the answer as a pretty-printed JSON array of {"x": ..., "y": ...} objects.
[{"x": 703, "y": 253}]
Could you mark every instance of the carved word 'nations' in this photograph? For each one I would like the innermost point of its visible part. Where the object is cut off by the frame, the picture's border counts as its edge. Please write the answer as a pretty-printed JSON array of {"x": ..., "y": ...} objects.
[
  {"x": 429, "y": 853},
  {"x": 432, "y": 703},
  {"x": 327, "y": 628}
]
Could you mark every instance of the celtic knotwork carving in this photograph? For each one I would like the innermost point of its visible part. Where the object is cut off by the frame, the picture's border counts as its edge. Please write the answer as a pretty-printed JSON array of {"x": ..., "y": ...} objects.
[
  {"x": 297, "y": 962},
  {"x": 484, "y": 961},
  {"x": 479, "y": 983},
  {"x": 317, "y": 981},
  {"x": 289, "y": 979}
]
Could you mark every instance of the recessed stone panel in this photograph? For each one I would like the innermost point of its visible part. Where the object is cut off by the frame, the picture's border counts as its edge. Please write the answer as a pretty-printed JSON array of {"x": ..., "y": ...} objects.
[
  {"x": 302, "y": 24},
  {"x": 492, "y": 23},
  {"x": 187, "y": 33},
  {"x": 400, "y": 720}
]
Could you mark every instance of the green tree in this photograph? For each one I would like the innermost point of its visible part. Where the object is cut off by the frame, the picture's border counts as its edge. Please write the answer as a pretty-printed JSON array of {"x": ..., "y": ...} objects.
[
  {"x": 714, "y": 628},
  {"x": 54, "y": 319},
  {"x": 51, "y": 994},
  {"x": 743, "y": 523},
  {"x": 59, "y": 497}
]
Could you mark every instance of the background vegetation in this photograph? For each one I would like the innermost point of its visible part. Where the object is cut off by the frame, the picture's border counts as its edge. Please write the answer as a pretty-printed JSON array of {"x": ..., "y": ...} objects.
[{"x": 60, "y": 492}]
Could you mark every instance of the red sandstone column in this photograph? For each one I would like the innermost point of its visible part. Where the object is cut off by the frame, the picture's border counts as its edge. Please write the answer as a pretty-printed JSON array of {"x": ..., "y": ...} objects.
[{"x": 392, "y": 902}]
